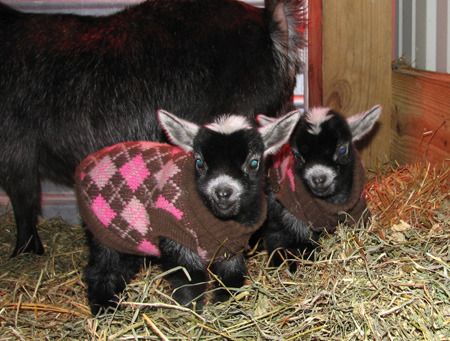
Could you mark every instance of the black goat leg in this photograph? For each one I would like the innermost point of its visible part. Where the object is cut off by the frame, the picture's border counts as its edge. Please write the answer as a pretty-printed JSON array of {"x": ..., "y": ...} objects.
[
  {"x": 186, "y": 292},
  {"x": 107, "y": 274},
  {"x": 230, "y": 274},
  {"x": 24, "y": 193}
]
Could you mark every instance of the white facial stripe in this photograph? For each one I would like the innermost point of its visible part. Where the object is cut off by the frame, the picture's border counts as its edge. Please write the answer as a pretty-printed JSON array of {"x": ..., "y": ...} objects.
[
  {"x": 316, "y": 116},
  {"x": 224, "y": 180},
  {"x": 228, "y": 124},
  {"x": 318, "y": 170}
]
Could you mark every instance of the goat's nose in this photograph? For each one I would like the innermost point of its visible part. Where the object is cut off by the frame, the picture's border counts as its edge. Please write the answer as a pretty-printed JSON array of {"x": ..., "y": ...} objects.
[
  {"x": 319, "y": 180},
  {"x": 224, "y": 192}
]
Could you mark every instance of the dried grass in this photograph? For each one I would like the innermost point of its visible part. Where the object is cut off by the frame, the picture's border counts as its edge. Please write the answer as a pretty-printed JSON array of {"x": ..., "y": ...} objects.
[{"x": 389, "y": 280}]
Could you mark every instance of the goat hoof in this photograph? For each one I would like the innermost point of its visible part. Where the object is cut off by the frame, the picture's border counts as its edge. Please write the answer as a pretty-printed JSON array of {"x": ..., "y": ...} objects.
[{"x": 36, "y": 248}]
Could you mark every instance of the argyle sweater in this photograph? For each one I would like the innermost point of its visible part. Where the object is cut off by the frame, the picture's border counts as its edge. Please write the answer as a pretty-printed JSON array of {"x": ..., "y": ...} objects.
[
  {"x": 292, "y": 192},
  {"x": 131, "y": 194}
]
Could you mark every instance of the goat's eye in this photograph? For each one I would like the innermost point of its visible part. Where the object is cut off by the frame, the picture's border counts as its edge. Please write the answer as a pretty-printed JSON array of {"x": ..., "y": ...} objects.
[
  {"x": 199, "y": 163},
  {"x": 343, "y": 151},
  {"x": 254, "y": 164},
  {"x": 299, "y": 158}
]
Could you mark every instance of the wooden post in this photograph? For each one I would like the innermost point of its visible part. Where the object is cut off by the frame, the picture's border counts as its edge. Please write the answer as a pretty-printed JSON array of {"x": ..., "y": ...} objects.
[{"x": 356, "y": 65}]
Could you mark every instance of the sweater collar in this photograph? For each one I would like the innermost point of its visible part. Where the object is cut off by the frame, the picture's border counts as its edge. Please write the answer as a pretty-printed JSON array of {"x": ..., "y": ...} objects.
[{"x": 292, "y": 192}]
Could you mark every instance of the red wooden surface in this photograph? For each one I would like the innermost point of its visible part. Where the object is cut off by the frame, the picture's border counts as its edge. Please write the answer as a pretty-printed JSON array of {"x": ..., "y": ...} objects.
[{"x": 315, "y": 85}]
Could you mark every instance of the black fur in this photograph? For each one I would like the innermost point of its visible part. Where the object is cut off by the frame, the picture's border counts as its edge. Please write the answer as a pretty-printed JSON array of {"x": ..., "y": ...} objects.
[
  {"x": 107, "y": 274},
  {"x": 71, "y": 85},
  {"x": 187, "y": 292},
  {"x": 286, "y": 237}
]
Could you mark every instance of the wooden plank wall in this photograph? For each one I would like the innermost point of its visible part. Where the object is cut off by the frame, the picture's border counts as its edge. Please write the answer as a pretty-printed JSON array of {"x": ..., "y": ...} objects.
[
  {"x": 420, "y": 116},
  {"x": 356, "y": 65}
]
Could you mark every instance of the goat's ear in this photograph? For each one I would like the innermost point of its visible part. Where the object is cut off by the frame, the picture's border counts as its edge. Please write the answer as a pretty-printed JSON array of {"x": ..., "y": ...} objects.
[
  {"x": 179, "y": 131},
  {"x": 360, "y": 124},
  {"x": 264, "y": 120},
  {"x": 276, "y": 133}
]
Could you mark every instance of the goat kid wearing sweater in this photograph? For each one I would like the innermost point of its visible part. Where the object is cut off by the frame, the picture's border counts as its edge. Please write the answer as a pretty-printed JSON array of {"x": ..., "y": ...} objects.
[
  {"x": 316, "y": 182},
  {"x": 190, "y": 206}
]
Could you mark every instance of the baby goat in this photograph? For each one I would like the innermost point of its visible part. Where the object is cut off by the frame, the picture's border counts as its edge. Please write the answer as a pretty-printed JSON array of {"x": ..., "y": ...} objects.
[
  {"x": 317, "y": 181},
  {"x": 190, "y": 207}
]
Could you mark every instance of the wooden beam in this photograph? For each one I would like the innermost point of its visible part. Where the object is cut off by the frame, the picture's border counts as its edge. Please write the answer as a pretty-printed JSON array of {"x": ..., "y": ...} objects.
[
  {"x": 356, "y": 65},
  {"x": 420, "y": 116}
]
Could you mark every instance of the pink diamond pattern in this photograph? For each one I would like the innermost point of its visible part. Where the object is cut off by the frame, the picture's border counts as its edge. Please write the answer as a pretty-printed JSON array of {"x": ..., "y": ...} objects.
[
  {"x": 102, "y": 210},
  {"x": 149, "y": 248},
  {"x": 134, "y": 172},
  {"x": 103, "y": 171},
  {"x": 168, "y": 170},
  {"x": 121, "y": 183},
  {"x": 165, "y": 205},
  {"x": 136, "y": 216}
]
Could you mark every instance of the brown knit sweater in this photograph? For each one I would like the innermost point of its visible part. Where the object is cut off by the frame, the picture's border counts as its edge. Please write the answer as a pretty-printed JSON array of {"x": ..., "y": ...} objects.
[
  {"x": 131, "y": 194},
  {"x": 319, "y": 214}
]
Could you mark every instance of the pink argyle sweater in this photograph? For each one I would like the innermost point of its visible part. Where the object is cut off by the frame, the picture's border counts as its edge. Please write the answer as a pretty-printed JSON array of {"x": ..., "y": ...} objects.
[
  {"x": 292, "y": 192},
  {"x": 131, "y": 194}
]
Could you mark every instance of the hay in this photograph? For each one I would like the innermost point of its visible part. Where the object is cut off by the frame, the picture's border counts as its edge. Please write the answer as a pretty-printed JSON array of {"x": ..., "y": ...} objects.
[{"x": 389, "y": 280}]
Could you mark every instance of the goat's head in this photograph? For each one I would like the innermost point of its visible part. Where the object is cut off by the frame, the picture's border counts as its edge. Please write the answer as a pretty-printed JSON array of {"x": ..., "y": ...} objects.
[
  {"x": 229, "y": 155},
  {"x": 322, "y": 144}
]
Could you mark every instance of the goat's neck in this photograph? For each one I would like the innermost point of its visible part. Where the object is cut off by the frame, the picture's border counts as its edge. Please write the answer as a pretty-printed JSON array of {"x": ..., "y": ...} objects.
[
  {"x": 254, "y": 213},
  {"x": 342, "y": 192}
]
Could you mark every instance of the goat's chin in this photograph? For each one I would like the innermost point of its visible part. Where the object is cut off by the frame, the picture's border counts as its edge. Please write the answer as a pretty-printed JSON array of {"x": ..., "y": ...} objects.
[
  {"x": 225, "y": 212},
  {"x": 322, "y": 192}
]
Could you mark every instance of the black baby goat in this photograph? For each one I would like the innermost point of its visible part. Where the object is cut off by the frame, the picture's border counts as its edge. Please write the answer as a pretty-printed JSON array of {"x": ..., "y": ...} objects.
[
  {"x": 191, "y": 208},
  {"x": 316, "y": 182}
]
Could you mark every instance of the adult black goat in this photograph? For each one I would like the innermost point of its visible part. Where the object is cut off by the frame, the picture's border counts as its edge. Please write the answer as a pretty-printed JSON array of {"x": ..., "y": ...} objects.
[{"x": 71, "y": 85}]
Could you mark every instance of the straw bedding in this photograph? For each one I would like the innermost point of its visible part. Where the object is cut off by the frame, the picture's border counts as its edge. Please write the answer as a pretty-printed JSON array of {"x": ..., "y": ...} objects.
[{"x": 386, "y": 280}]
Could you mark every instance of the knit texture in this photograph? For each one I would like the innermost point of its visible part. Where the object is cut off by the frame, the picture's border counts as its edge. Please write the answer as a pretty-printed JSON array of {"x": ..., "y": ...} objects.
[
  {"x": 131, "y": 194},
  {"x": 320, "y": 215}
]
